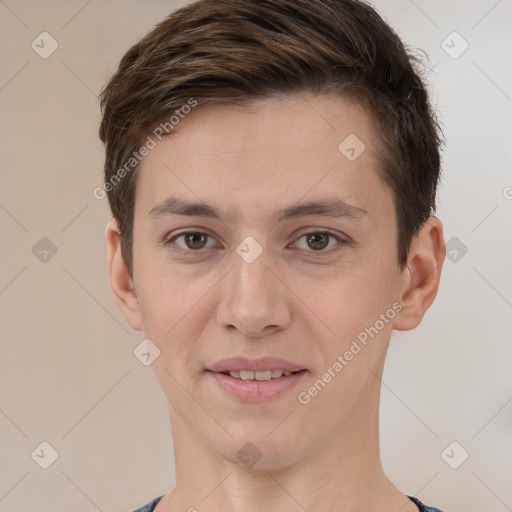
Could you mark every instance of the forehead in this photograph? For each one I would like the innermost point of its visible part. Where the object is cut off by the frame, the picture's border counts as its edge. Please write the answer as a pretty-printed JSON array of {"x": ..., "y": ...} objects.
[{"x": 268, "y": 151}]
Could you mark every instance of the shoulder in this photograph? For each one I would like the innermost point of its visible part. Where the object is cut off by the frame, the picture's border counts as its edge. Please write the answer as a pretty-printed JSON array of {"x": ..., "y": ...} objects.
[
  {"x": 150, "y": 506},
  {"x": 422, "y": 507}
]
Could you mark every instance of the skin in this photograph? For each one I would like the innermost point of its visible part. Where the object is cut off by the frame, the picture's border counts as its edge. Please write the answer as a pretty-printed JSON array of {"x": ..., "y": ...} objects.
[{"x": 293, "y": 302}]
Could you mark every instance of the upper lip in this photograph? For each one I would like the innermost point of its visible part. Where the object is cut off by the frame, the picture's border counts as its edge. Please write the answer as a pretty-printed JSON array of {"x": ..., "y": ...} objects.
[{"x": 234, "y": 364}]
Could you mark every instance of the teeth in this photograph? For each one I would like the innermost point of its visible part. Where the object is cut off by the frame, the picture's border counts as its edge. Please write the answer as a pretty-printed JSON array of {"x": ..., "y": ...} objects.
[{"x": 262, "y": 375}]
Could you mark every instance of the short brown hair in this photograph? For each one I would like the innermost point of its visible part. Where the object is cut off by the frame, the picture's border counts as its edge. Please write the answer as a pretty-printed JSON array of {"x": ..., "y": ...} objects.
[{"x": 230, "y": 51}]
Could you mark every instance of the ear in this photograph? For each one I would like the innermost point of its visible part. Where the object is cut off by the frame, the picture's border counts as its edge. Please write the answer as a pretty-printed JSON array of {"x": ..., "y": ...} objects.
[
  {"x": 120, "y": 279},
  {"x": 420, "y": 278}
]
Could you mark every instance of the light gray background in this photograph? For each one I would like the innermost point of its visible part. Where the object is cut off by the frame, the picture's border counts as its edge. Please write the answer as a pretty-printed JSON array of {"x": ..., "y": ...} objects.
[{"x": 68, "y": 375}]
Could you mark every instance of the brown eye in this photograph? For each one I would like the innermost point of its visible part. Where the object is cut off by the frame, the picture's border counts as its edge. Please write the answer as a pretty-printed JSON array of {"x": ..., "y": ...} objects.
[
  {"x": 322, "y": 242},
  {"x": 189, "y": 242},
  {"x": 317, "y": 241},
  {"x": 195, "y": 240}
]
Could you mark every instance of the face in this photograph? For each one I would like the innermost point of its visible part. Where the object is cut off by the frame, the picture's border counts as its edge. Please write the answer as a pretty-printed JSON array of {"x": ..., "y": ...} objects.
[{"x": 294, "y": 258}]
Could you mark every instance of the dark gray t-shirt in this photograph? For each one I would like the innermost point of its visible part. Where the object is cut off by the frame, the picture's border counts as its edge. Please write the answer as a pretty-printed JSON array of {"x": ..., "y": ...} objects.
[{"x": 422, "y": 508}]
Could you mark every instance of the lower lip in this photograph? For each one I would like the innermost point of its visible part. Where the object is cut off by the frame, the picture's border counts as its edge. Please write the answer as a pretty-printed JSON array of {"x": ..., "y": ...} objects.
[{"x": 257, "y": 390}]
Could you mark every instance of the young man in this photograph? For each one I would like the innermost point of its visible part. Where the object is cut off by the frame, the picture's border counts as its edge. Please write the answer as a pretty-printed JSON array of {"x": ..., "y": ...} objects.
[{"x": 271, "y": 166}]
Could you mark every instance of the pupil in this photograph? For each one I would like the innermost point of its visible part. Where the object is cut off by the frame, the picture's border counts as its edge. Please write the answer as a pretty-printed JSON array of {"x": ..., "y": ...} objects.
[
  {"x": 190, "y": 238},
  {"x": 314, "y": 244}
]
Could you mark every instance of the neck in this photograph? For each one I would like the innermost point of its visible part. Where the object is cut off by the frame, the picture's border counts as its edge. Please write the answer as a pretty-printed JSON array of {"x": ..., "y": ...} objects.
[{"x": 343, "y": 473}]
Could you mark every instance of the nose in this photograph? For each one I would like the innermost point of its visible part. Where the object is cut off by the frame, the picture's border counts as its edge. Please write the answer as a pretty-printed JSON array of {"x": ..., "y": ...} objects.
[{"x": 254, "y": 303}]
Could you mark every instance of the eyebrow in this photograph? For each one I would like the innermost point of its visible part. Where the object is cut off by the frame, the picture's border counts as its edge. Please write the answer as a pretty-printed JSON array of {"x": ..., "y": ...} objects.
[{"x": 330, "y": 207}]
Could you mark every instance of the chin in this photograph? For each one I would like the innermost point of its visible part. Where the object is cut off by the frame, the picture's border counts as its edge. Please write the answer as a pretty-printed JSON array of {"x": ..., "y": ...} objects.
[{"x": 257, "y": 450}]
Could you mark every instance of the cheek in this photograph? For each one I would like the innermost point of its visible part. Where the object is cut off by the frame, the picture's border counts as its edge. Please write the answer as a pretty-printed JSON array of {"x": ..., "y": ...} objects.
[
  {"x": 173, "y": 316},
  {"x": 351, "y": 310},
  {"x": 347, "y": 303},
  {"x": 166, "y": 293},
  {"x": 351, "y": 357},
  {"x": 175, "y": 309}
]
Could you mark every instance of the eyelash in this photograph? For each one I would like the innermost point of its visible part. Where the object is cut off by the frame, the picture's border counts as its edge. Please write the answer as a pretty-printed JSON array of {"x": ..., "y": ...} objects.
[{"x": 169, "y": 241}]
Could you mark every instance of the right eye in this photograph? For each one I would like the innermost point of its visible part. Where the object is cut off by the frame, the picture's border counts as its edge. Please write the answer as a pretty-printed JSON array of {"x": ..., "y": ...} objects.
[{"x": 191, "y": 241}]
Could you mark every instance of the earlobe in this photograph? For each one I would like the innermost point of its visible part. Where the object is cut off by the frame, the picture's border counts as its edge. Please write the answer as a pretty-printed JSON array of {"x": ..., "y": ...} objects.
[
  {"x": 420, "y": 279},
  {"x": 120, "y": 279}
]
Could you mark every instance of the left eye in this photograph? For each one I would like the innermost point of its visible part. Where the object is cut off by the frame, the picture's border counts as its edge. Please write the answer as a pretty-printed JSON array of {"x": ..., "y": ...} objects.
[{"x": 318, "y": 241}]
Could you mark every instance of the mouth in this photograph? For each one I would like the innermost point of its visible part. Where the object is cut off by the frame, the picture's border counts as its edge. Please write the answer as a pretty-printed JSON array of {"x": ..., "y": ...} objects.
[
  {"x": 256, "y": 380},
  {"x": 262, "y": 375}
]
